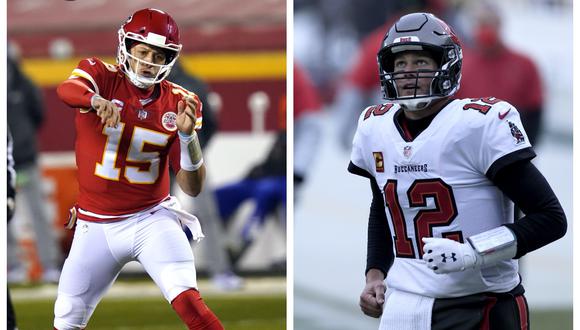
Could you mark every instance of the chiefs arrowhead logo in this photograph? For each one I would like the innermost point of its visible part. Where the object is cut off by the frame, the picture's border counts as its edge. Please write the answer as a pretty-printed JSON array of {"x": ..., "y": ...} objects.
[{"x": 169, "y": 121}]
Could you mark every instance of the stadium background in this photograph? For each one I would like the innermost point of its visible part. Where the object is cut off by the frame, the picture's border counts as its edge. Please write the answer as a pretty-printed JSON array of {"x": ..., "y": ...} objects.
[
  {"x": 238, "y": 49},
  {"x": 328, "y": 280}
]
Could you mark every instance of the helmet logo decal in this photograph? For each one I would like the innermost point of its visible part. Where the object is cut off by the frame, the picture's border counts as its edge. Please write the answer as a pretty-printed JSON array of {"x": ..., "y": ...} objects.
[
  {"x": 169, "y": 121},
  {"x": 406, "y": 39}
]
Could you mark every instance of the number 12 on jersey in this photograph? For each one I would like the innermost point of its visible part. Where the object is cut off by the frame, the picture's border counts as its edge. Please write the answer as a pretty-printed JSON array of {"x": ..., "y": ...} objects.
[{"x": 443, "y": 214}]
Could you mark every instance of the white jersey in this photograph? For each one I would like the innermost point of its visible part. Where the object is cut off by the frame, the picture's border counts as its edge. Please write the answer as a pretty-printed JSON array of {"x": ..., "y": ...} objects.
[{"x": 436, "y": 186}]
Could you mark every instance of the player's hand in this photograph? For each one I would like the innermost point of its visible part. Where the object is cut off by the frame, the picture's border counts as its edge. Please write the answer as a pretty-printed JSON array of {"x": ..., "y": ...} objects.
[
  {"x": 108, "y": 111},
  {"x": 444, "y": 256},
  {"x": 373, "y": 296},
  {"x": 186, "y": 108}
]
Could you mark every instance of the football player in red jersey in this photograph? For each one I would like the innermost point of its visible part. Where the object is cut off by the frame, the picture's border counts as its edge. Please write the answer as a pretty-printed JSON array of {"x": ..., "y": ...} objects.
[
  {"x": 445, "y": 174},
  {"x": 131, "y": 126}
]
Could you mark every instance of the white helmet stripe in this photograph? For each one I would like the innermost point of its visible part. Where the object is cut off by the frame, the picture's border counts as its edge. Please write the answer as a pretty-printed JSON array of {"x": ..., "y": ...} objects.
[{"x": 155, "y": 39}]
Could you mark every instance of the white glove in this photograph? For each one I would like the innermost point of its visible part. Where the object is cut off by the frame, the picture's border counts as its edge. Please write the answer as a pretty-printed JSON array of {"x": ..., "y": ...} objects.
[{"x": 444, "y": 256}]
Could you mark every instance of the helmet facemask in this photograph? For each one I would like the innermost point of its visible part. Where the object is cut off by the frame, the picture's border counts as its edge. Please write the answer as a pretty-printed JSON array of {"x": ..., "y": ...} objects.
[
  {"x": 420, "y": 32},
  {"x": 124, "y": 57},
  {"x": 440, "y": 85}
]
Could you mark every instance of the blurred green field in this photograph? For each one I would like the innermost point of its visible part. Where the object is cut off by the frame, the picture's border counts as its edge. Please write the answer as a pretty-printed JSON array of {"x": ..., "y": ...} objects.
[
  {"x": 236, "y": 312},
  {"x": 551, "y": 319}
]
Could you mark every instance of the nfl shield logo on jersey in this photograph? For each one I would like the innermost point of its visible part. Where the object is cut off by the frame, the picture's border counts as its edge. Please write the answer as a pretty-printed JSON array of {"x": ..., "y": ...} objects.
[
  {"x": 407, "y": 151},
  {"x": 142, "y": 114}
]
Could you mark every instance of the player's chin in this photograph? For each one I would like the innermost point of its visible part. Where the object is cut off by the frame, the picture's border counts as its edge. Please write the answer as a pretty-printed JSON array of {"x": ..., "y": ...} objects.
[{"x": 407, "y": 93}]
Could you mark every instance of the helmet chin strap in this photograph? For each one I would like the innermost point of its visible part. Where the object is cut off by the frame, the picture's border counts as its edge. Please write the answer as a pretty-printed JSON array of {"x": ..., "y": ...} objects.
[
  {"x": 416, "y": 104},
  {"x": 140, "y": 82}
]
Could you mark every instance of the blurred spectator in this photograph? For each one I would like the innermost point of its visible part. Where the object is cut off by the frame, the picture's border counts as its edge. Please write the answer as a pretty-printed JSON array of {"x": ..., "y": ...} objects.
[
  {"x": 10, "y": 195},
  {"x": 327, "y": 37},
  {"x": 204, "y": 205},
  {"x": 25, "y": 116},
  {"x": 491, "y": 68},
  {"x": 331, "y": 30},
  {"x": 265, "y": 185},
  {"x": 61, "y": 49},
  {"x": 306, "y": 124}
]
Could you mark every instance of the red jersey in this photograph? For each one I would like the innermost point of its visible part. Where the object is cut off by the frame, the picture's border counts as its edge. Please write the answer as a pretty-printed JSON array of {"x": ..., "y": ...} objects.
[
  {"x": 125, "y": 169},
  {"x": 508, "y": 76},
  {"x": 364, "y": 74}
]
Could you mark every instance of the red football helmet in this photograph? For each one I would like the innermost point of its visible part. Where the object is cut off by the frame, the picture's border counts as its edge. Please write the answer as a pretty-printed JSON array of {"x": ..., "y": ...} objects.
[{"x": 152, "y": 27}]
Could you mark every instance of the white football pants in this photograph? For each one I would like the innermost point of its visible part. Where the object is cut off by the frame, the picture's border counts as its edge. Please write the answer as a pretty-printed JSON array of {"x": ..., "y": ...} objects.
[{"x": 154, "y": 238}]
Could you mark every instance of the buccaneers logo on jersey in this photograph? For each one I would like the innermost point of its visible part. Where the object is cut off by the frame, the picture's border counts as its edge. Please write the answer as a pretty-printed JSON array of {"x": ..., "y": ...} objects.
[{"x": 516, "y": 133}]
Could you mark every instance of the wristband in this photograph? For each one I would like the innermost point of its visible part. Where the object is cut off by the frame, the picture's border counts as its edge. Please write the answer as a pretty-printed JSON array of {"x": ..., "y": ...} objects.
[
  {"x": 494, "y": 245},
  {"x": 492, "y": 240},
  {"x": 191, "y": 157},
  {"x": 185, "y": 137}
]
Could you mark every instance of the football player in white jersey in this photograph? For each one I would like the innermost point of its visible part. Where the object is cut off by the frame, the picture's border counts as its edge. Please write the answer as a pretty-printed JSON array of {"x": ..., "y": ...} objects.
[{"x": 445, "y": 174}]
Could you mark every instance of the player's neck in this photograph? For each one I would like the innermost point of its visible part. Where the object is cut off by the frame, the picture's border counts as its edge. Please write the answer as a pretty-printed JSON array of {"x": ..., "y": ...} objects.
[
  {"x": 410, "y": 128},
  {"x": 144, "y": 93},
  {"x": 435, "y": 107}
]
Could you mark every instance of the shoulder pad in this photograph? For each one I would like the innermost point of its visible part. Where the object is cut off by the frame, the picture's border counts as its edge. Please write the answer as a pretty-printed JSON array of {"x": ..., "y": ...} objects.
[{"x": 178, "y": 89}]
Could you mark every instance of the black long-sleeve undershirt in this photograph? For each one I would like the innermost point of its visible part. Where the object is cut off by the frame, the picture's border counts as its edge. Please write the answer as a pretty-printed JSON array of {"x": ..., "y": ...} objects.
[
  {"x": 544, "y": 220},
  {"x": 520, "y": 180},
  {"x": 379, "y": 239}
]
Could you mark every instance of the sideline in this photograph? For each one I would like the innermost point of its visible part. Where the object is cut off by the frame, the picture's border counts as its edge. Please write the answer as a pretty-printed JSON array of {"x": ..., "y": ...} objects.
[{"x": 264, "y": 286}]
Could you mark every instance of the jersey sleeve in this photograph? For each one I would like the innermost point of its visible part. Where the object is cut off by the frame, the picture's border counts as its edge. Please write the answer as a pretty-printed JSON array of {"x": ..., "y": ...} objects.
[
  {"x": 175, "y": 156},
  {"x": 358, "y": 162},
  {"x": 93, "y": 72},
  {"x": 503, "y": 140}
]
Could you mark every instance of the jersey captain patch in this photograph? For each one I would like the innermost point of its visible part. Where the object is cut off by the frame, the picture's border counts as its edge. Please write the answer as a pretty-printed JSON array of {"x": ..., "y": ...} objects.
[{"x": 379, "y": 161}]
